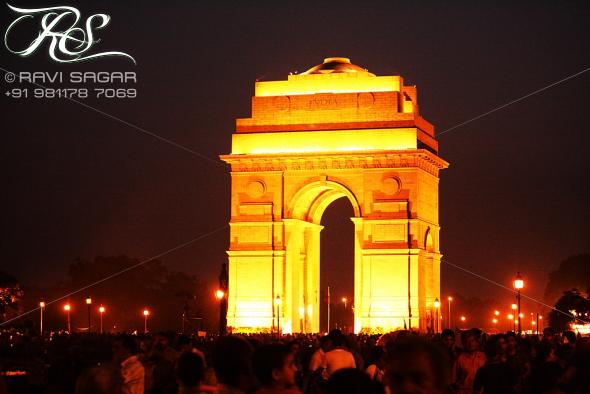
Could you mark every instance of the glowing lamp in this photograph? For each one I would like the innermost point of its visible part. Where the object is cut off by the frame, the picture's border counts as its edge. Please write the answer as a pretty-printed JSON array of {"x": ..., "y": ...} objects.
[
  {"x": 67, "y": 307},
  {"x": 494, "y": 320},
  {"x": 146, "y": 312},
  {"x": 450, "y": 298},
  {"x": 513, "y": 306},
  {"x": 301, "y": 312},
  {"x": 521, "y": 315},
  {"x": 42, "y": 304},
  {"x": 278, "y": 300},
  {"x": 219, "y": 294},
  {"x": 101, "y": 309},
  {"x": 518, "y": 282},
  {"x": 510, "y": 316},
  {"x": 463, "y": 318},
  {"x": 344, "y": 299},
  {"x": 88, "y": 300},
  {"x": 436, "y": 303},
  {"x": 497, "y": 313}
]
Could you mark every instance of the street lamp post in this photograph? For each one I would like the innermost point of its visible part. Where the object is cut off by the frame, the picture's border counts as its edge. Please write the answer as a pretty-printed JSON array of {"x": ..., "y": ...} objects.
[
  {"x": 101, "y": 310},
  {"x": 278, "y": 304},
  {"x": 67, "y": 308},
  {"x": 344, "y": 301},
  {"x": 88, "y": 303},
  {"x": 224, "y": 287},
  {"x": 220, "y": 295},
  {"x": 518, "y": 284},
  {"x": 437, "y": 308},
  {"x": 41, "y": 307},
  {"x": 146, "y": 313},
  {"x": 514, "y": 307},
  {"x": 449, "y": 298}
]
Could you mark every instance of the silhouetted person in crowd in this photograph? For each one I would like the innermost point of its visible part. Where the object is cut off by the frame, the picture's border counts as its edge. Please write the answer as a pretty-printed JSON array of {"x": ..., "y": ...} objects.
[
  {"x": 275, "y": 369},
  {"x": 104, "y": 379},
  {"x": 447, "y": 338},
  {"x": 546, "y": 369},
  {"x": 338, "y": 357},
  {"x": 232, "y": 362},
  {"x": 318, "y": 359},
  {"x": 377, "y": 364},
  {"x": 159, "y": 366},
  {"x": 548, "y": 334},
  {"x": 518, "y": 357},
  {"x": 415, "y": 366},
  {"x": 496, "y": 376},
  {"x": 468, "y": 362},
  {"x": 125, "y": 355},
  {"x": 190, "y": 372},
  {"x": 317, "y": 376},
  {"x": 352, "y": 381}
]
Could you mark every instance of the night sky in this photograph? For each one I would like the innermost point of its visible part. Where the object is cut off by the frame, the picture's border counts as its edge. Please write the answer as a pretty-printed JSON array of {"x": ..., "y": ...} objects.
[{"x": 76, "y": 183}]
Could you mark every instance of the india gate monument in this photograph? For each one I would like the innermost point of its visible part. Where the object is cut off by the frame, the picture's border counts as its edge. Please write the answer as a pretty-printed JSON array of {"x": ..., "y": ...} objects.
[{"x": 334, "y": 131}]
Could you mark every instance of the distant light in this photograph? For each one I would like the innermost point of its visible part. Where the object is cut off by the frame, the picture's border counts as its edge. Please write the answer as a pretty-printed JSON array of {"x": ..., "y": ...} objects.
[
  {"x": 101, "y": 309},
  {"x": 344, "y": 299},
  {"x": 309, "y": 310},
  {"x": 521, "y": 315},
  {"x": 67, "y": 307},
  {"x": 510, "y": 316},
  {"x": 436, "y": 303},
  {"x": 146, "y": 312},
  {"x": 463, "y": 318},
  {"x": 301, "y": 311},
  {"x": 450, "y": 298},
  {"x": 494, "y": 320},
  {"x": 42, "y": 304},
  {"x": 278, "y": 300},
  {"x": 219, "y": 294},
  {"x": 497, "y": 313},
  {"x": 88, "y": 301},
  {"x": 513, "y": 306}
]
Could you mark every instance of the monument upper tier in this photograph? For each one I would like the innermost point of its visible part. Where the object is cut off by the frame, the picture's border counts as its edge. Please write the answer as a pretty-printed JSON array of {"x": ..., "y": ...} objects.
[{"x": 337, "y": 95}]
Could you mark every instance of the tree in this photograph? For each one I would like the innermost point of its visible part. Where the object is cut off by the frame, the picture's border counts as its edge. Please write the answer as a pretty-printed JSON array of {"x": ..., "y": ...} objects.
[
  {"x": 572, "y": 301},
  {"x": 166, "y": 293},
  {"x": 10, "y": 294},
  {"x": 573, "y": 272}
]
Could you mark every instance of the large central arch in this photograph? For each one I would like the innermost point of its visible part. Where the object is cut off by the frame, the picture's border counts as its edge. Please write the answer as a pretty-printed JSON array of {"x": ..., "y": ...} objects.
[
  {"x": 335, "y": 131},
  {"x": 310, "y": 202}
]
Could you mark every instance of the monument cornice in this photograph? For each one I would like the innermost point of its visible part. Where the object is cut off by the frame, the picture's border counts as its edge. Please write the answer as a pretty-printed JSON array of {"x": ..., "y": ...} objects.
[{"x": 313, "y": 161}]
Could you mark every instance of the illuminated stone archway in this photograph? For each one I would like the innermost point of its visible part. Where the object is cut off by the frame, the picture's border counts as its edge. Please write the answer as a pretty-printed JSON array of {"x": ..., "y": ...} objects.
[{"x": 335, "y": 131}]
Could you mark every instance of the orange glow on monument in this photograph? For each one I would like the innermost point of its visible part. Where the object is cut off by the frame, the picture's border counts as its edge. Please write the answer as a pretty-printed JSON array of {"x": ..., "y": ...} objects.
[{"x": 335, "y": 131}]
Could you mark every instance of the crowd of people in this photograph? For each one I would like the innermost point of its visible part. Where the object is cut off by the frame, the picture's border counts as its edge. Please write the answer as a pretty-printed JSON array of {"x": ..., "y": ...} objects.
[{"x": 469, "y": 361}]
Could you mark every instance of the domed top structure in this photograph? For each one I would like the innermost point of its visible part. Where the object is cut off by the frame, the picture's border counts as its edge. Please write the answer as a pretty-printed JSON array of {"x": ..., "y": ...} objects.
[{"x": 336, "y": 65}]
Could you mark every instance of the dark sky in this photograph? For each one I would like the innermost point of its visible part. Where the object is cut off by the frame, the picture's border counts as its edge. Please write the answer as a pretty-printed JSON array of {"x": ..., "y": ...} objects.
[{"x": 76, "y": 183}]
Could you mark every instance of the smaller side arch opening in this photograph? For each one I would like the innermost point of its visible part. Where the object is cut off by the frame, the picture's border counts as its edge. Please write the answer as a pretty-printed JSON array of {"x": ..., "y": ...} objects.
[{"x": 428, "y": 242}]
